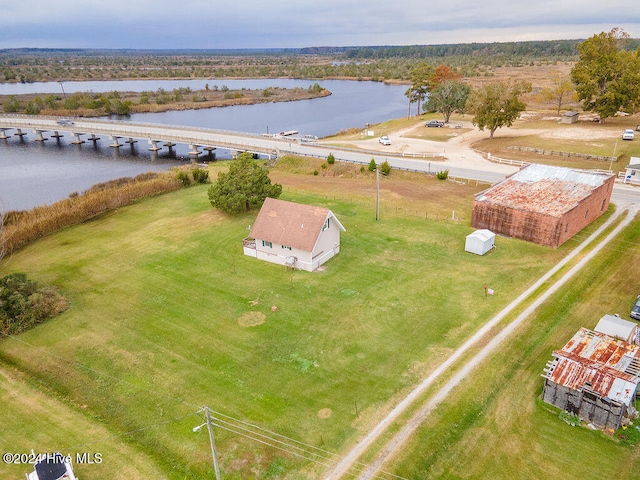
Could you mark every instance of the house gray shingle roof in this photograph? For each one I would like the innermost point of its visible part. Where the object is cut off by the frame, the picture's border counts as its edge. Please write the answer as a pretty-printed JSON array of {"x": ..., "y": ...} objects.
[{"x": 292, "y": 224}]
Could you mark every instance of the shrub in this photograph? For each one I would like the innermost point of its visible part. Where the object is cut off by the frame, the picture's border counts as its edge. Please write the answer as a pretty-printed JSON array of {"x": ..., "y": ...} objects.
[
  {"x": 385, "y": 168},
  {"x": 362, "y": 169},
  {"x": 200, "y": 175},
  {"x": 331, "y": 159},
  {"x": 24, "y": 303},
  {"x": 372, "y": 165},
  {"x": 243, "y": 187},
  {"x": 315, "y": 172},
  {"x": 570, "y": 418},
  {"x": 442, "y": 175},
  {"x": 184, "y": 178},
  {"x": 323, "y": 166},
  {"x": 12, "y": 105}
]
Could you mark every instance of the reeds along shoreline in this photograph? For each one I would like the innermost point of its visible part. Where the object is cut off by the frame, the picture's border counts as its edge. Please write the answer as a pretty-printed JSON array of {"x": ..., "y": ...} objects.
[{"x": 18, "y": 229}]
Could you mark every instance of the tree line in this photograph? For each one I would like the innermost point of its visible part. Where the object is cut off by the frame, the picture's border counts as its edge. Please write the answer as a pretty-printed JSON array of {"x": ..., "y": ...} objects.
[
  {"x": 605, "y": 79},
  {"x": 375, "y": 62}
]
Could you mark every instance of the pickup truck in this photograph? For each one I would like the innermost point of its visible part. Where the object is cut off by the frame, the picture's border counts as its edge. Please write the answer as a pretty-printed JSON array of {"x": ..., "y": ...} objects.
[{"x": 434, "y": 123}]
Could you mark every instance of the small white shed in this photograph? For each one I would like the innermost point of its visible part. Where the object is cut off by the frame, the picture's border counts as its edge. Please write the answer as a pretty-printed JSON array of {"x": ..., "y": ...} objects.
[
  {"x": 616, "y": 327},
  {"x": 480, "y": 241}
]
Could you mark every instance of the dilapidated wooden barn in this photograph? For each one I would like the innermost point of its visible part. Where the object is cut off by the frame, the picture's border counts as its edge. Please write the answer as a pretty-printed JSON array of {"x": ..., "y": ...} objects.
[{"x": 596, "y": 377}]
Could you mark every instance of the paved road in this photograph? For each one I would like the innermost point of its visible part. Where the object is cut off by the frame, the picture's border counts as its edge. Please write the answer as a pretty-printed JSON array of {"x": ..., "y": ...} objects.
[{"x": 460, "y": 159}]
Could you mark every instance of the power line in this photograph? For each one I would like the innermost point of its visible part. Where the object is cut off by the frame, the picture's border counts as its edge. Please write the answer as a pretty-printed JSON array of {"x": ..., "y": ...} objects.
[
  {"x": 302, "y": 455},
  {"x": 293, "y": 449},
  {"x": 330, "y": 454}
]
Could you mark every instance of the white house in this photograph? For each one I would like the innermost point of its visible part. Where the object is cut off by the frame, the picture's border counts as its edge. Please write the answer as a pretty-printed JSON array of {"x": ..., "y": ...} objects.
[
  {"x": 295, "y": 235},
  {"x": 632, "y": 174},
  {"x": 480, "y": 241}
]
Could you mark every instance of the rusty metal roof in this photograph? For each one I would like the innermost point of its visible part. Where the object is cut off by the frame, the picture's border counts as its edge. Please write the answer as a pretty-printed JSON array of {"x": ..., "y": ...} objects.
[
  {"x": 606, "y": 365},
  {"x": 543, "y": 189}
]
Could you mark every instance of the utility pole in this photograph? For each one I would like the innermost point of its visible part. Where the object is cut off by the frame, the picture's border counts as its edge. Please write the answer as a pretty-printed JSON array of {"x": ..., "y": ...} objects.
[
  {"x": 213, "y": 443},
  {"x": 377, "y": 193}
]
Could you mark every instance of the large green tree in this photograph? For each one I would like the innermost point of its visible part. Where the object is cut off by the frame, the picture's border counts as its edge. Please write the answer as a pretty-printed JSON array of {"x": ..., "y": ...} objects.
[
  {"x": 243, "y": 187},
  {"x": 498, "y": 104},
  {"x": 421, "y": 75},
  {"x": 448, "y": 97},
  {"x": 607, "y": 77}
]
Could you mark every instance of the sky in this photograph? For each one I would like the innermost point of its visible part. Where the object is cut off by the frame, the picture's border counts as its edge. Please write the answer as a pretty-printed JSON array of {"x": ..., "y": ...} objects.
[{"x": 228, "y": 24}]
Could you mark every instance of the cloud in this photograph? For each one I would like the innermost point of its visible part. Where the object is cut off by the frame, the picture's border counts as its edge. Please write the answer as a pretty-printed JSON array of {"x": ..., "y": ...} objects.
[{"x": 288, "y": 23}]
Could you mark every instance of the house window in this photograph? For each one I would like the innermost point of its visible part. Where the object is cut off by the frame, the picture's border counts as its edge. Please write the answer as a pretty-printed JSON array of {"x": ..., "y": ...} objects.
[
  {"x": 326, "y": 225},
  {"x": 603, "y": 202},
  {"x": 586, "y": 214},
  {"x": 286, "y": 247},
  {"x": 267, "y": 244},
  {"x": 566, "y": 227}
]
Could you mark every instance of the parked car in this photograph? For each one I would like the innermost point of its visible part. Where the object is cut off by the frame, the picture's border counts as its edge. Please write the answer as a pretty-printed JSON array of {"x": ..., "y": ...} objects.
[
  {"x": 384, "y": 140},
  {"x": 627, "y": 134},
  {"x": 434, "y": 123},
  {"x": 635, "y": 311},
  {"x": 65, "y": 122}
]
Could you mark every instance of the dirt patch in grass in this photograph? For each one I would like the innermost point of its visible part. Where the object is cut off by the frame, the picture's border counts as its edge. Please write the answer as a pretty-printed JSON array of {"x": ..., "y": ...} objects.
[
  {"x": 580, "y": 133},
  {"x": 324, "y": 413},
  {"x": 251, "y": 319}
]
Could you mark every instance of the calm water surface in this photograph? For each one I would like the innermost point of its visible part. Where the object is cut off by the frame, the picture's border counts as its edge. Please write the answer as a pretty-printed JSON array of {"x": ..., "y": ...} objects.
[{"x": 33, "y": 174}]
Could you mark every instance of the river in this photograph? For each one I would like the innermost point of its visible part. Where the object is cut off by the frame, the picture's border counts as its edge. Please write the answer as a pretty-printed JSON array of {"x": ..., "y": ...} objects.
[{"x": 34, "y": 173}]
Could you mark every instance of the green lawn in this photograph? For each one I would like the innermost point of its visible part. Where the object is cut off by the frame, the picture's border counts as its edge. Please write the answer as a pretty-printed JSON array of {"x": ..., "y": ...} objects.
[
  {"x": 497, "y": 427},
  {"x": 160, "y": 293}
]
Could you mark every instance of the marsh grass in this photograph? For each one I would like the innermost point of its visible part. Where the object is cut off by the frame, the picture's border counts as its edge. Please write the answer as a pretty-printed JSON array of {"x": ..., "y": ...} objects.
[{"x": 22, "y": 228}]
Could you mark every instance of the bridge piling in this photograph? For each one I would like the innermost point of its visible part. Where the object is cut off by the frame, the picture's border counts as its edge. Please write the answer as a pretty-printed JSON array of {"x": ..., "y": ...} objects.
[
  {"x": 193, "y": 150},
  {"x": 154, "y": 145},
  {"x": 3, "y": 133},
  {"x": 56, "y": 135},
  {"x": 115, "y": 143},
  {"x": 93, "y": 138},
  {"x": 78, "y": 140},
  {"x": 19, "y": 133},
  {"x": 38, "y": 134}
]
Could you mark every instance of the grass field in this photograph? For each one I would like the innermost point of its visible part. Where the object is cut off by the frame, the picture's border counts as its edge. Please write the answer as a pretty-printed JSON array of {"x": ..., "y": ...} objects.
[
  {"x": 167, "y": 315},
  {"x": 496, "y": 425}
]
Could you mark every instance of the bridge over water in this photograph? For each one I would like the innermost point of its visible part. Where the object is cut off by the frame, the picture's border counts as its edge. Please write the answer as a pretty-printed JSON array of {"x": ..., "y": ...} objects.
[
  {"x": 158, "y": 136},
  {"x": 202, "y": 139}
]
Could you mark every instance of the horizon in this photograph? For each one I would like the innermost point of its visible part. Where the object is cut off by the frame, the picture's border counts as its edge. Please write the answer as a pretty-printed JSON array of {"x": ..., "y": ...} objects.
[{"x": 248, "y": 24}]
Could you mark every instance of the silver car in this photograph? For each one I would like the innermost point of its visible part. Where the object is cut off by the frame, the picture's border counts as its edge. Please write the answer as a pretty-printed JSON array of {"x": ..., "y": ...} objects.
[
  {"x": 635, "y": 311},
  {"x": 384, "y": 140}
]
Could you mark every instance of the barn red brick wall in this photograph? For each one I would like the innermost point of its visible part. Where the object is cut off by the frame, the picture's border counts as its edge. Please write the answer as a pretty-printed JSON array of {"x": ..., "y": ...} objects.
[{"x": 539, "y": 228}]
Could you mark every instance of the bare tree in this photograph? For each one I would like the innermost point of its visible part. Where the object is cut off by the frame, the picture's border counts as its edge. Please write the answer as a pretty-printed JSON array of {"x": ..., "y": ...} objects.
[{"x": 560, "y": 91}]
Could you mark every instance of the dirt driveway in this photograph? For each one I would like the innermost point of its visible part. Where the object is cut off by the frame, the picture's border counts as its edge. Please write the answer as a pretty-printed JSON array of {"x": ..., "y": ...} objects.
[{"x": 464, "y": 370}]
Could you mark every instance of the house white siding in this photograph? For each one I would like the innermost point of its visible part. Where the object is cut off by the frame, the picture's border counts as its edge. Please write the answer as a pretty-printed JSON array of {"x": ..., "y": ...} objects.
[{"x": 295, "y": 235}]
